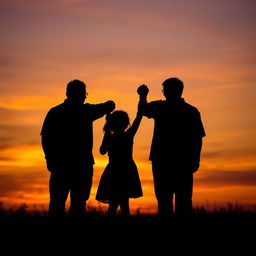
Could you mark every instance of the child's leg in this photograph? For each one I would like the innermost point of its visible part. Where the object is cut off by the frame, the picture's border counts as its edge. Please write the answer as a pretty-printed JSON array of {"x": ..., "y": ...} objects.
[
  {"x": 124, "y": 207},
  {"x": 112, "y": 208}
]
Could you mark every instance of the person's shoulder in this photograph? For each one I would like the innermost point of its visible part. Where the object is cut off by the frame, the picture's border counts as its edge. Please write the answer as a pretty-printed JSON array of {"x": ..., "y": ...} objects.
[
  {"x": 57, "y": 108},
  {"x": 190, "y": 108},
  {"x": 87, "y": 106}
]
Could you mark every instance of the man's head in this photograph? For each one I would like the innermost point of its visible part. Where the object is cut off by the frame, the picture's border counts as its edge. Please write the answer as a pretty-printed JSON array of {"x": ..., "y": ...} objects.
[
  {"x": 76, "y": 91},
  {"x": 172, "y": 88}
]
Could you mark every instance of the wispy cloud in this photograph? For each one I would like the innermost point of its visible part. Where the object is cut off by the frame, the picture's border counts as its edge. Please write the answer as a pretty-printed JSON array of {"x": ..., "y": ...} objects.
[
  {"x": 219, "y": 178},
  {"x": 18, "y": 189}
]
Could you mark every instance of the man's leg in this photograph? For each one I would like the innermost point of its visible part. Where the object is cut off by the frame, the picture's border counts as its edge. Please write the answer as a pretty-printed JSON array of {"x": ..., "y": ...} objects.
[
  {"x": 165, "y": 206},
  {"x": 183, "y": 196},
  {"x": 162, "y": 189},
  {"x": 59, "y": 189},
  {"x": 80, "y": 189}
]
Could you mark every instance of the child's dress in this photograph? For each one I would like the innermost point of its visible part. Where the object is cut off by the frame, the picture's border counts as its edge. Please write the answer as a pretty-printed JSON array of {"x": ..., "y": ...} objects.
[{"x": 120, "y": 179}]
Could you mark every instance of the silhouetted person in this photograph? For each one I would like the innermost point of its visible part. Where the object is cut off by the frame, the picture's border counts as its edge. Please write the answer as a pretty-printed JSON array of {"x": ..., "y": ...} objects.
[
  {"x": 120, "y": 179},
  {"x": 67, "y": 140},
  {"x": 176, "y": 148}
]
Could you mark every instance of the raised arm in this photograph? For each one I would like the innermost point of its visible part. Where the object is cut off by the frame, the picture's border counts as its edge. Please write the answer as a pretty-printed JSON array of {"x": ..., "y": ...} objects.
[
  {"x": 142, "y": 91},
  {"x": 99, "y": 110},
  {"x": 150, "y": 109}
]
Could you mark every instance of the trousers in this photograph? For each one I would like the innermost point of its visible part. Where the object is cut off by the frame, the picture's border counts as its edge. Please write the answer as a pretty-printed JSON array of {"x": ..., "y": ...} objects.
[
  {"x": 173, "y": 181},
  {"x": 74, "y": 180}
]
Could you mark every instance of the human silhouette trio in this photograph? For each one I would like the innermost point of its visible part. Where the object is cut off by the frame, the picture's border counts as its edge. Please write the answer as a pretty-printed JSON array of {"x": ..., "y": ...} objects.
[{"x": 67, "y": 141}]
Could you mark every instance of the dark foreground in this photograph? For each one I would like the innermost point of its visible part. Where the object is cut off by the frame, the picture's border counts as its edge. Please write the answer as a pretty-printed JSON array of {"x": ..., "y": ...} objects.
[
  {"x": 223, "y": 219},
  {"x": 216, "y": 232}
]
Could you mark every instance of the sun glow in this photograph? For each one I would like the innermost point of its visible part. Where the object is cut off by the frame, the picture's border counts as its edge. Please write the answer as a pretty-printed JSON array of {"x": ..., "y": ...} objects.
[
  {"x": 22, "y": 156},
  {"x": 115, "y": 46}
]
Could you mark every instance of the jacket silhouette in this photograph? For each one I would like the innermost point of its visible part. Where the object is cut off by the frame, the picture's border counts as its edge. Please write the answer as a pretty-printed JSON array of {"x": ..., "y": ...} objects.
[
  {"x": 175, "y": 149},
  {"x": 67, "y": 140}
]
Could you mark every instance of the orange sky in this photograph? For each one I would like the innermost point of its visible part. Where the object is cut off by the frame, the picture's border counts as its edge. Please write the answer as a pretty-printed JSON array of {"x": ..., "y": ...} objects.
[{"x": 114, "y": 46}]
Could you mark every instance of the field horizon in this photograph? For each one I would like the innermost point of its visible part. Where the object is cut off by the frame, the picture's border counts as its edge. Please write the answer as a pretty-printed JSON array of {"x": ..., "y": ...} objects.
[{"x": 26, "y": 210}]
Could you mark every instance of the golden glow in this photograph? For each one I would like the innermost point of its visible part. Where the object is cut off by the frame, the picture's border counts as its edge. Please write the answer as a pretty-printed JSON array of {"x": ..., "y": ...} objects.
[
  {"x": 23, "y": 156},
  {"x": 27, "y": 102},
  {"x": 114, "y": 46}
]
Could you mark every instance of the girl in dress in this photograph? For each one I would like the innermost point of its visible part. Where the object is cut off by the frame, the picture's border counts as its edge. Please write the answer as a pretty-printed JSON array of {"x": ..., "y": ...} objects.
[{"x": 120, "y": 179}]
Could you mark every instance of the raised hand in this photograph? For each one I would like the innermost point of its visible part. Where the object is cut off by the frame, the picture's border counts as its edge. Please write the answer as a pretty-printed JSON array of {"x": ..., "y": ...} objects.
[
  {"x": 110, "y": 105},
  {"x": 143, "y": 90}
]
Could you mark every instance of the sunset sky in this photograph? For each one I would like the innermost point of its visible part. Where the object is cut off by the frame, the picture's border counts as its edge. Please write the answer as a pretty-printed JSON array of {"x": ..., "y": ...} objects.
[{"x": 114, "y": 46}]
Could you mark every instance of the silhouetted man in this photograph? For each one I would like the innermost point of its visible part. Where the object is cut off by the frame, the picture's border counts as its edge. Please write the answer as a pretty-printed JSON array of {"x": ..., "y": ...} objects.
[
  {"x": 67, "y": 140},
  {"x": 176, "y": 147}
]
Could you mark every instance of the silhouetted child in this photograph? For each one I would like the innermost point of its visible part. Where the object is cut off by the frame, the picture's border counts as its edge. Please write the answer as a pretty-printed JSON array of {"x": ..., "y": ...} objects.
[{"x": 120, "y": 179}]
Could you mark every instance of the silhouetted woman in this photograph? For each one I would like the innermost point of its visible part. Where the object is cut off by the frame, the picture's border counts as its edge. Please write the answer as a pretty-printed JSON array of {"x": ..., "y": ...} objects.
[{"x": 120, "y": 179}]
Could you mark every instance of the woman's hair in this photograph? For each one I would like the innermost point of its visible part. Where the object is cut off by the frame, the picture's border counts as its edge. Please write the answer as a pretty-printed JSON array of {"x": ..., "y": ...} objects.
[{"x": 118, "y": 120}]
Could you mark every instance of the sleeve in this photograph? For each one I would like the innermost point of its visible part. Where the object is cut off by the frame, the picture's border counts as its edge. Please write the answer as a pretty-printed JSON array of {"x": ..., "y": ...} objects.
[
  {"x": 199, "y": 125},
  {"x": 46, "y": 128},
  {"x": 48, "y": 134},
  {"x": 98, "y": 110},
  {"x": 151, "y": 109},
  {"x": 48, "y": 138}
]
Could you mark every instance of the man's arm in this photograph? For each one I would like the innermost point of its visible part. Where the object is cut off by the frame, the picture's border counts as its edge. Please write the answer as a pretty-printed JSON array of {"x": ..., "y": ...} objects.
[
  {"x": 99, "y": 110},
  {"x": 54, "y": 159},
  {"x": 46, "y": 132},
  {"x": 197, "y": 147},
  {"x": 195, "y": 157},
  {"x": 143, "y": 92},
  {"x": 46, "y": 145},
  {"x": 199, "y": 134},
  {"x": 49, "y": 144},
  {"x": 150, "y": 109}
]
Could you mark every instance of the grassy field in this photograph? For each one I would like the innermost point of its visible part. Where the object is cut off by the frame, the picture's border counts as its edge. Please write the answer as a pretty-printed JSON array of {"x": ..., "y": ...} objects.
[
  {"x": 24, "y": 210},
  {"x": 216, "y": 227}
]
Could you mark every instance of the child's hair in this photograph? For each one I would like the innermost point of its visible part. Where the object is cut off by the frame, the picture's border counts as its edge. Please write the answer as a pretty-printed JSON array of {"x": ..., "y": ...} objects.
[{"x": 118, "y": 120}]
